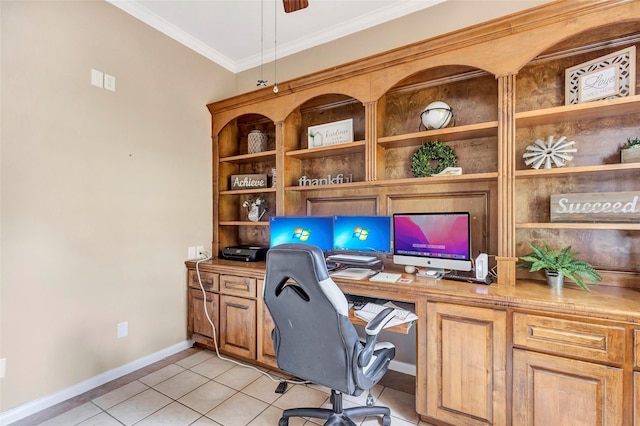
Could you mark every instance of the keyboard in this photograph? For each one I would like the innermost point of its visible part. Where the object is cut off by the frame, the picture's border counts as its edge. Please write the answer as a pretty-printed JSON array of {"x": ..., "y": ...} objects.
[
  {"x": 375, "y": 308},
  {"x": 358, "y": 301},
  {"x": 351, "y": 258}
]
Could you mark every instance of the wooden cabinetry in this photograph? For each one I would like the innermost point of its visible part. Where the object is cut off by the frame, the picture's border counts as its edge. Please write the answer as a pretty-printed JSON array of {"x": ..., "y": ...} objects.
[
  {"x": 466, "y": 364},
  {"x": 505, "y": 83},
  {"x": 238, "y": 315},
  {"x": 555, "y": 387},
  {"x": 198, "y": 326},
  {"x": 232, "y": 302}
]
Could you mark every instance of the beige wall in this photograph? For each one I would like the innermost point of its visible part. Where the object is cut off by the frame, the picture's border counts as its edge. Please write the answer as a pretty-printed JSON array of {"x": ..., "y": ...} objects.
[{"x": 102, "y": 192}]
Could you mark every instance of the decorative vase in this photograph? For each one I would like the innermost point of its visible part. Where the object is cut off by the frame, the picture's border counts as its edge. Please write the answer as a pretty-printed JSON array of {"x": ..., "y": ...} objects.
[
  {"x": 630, "y": 155},
  {"x": 257, "y": 141},
  {"x": 555, "y": 279}
]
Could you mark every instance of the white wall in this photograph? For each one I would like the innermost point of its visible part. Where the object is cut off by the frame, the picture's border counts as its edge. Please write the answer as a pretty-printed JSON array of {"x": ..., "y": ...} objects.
[{"x": 102, "y": 192}]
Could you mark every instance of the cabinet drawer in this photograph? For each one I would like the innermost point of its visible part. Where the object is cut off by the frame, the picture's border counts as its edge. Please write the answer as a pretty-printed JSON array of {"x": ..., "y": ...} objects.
[
  {"x": 238, "y": 286},
  {"x": 209, "y": 280},
  {"x": 571, "y": 338}
]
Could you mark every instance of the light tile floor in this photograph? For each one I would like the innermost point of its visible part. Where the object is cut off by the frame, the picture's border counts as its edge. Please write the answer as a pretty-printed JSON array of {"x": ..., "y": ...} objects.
[{"x": 197, "y": 388}]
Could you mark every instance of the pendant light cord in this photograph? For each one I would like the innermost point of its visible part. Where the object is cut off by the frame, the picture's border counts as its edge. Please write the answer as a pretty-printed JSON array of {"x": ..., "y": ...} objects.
[{"x": 275, "y": 47}]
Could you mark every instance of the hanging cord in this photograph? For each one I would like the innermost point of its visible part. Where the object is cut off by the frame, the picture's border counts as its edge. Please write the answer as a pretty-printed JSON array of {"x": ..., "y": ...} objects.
[
  {"x": 275, "y": 47},
  {"x": 215, "y": 340},
  {"x": 262, "y": 82}
]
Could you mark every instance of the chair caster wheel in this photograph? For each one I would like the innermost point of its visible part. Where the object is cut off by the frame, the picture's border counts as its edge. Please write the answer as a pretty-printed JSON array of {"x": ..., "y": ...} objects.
[
  {"x": 284, "y": 421},
  {"x": 386, "y": 420}
]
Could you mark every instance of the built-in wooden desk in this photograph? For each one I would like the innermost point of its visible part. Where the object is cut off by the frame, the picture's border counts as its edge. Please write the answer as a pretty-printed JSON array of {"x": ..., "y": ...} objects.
[{"x": 480, "y": 350}]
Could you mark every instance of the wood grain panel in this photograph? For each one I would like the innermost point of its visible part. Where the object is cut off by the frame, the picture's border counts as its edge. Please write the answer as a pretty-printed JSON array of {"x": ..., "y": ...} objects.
[
  {"x": 636, "y": 348},
  {"x": 209, "y": 280},
  {"x": 571, "y": 338},
  {"x": 466, "y": 364},
  {"x": 238, "y": 326},
  {"x": 198, "y": 326},
  {"x": 345, "y": 205},
  {"x": 549, "y": 390},
  {"x": 237, "y": 285}
]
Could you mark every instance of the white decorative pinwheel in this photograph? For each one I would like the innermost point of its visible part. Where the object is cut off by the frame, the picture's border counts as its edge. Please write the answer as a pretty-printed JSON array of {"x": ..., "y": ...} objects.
[{"x": 549, "y": 154}]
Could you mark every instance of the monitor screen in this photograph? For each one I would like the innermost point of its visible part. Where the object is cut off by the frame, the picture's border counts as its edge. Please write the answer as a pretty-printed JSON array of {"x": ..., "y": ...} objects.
[
  {"x": 362, "y": 233},
  {"x": 433, "y": 240},
  {"x": 315, "y": 230}
]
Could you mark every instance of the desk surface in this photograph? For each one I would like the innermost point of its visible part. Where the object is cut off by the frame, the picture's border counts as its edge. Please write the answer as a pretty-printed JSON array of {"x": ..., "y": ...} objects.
[{"x": 615, "y": 303}]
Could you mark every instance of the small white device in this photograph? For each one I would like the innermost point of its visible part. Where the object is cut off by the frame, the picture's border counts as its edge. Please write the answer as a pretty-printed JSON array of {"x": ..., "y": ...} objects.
[{"x": 482, "y": 266}]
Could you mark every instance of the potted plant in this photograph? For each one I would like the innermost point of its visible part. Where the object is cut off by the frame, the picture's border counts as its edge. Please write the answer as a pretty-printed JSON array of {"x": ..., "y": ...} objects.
[
  {"x": 630, "y": 151},
  {"x": 560, "y": 263}
]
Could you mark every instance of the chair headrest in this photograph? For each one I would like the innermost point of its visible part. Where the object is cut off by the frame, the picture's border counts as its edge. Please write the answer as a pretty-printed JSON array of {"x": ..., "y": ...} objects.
[{"x": 319, "y": 263}]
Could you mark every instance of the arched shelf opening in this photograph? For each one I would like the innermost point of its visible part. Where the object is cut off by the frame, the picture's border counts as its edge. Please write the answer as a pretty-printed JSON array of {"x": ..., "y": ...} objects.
[{"x": 471, "y": 93}]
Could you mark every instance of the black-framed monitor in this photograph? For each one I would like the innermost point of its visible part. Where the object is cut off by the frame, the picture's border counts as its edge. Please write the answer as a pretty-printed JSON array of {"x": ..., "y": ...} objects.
[
  {"x": 357, "y": 234},
  {"x": 437, "y": 241},
  {"x": 315, "y": 230}
]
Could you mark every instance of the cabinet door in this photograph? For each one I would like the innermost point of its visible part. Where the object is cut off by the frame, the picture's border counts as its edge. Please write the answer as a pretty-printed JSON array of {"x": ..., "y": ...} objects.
[
  {"x": 550, "y": 390},
  {"x": 266, "y": 353},
  {"x": 466, "y": 352},
  {"x": 238, "y": 326},
  {"x": 636, "y": 399},
  {"x": 198, "y": 326}
]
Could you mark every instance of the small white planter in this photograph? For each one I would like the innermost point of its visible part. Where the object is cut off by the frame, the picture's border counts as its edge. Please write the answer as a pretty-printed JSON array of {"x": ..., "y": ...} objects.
[{"x": 630, "y": 155}]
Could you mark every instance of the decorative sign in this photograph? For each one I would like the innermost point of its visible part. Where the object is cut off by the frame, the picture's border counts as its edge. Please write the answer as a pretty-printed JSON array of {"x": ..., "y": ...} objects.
[
  {"x": 594, "y": 207},
  {"x": 327, "y": 180},
  {"x": 609, "y": 76},
  {"x": 330, "y": 133},
  {"x": 248, "y": 181}
]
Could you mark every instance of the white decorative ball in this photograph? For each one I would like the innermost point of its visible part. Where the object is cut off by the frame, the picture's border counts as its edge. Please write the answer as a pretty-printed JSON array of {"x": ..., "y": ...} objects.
[{"x": 436, "y": 115}]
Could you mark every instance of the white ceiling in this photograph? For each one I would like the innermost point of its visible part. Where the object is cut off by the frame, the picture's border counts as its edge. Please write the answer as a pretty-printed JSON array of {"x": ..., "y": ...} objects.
[{"x": 232, "y": 34}]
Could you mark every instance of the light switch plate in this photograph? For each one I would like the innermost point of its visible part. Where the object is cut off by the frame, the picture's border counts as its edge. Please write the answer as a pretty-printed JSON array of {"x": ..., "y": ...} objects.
[{"x": 97, "y": 78}]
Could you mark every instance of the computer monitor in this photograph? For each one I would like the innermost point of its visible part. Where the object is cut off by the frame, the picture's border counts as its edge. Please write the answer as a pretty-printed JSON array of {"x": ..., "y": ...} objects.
[
  {"x": 362, "y": 234},
  {"x": 315, "y": 230},
  {"x": 436, "y": 241}
]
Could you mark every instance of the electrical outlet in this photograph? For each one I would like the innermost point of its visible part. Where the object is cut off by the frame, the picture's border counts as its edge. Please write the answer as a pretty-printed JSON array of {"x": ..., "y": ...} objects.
[
  {"x": 123, "y": 329},
  {"x": 109, "y": 82},
  {"x": 3, "y": 367},
  {"x": 200, "y": 252}
]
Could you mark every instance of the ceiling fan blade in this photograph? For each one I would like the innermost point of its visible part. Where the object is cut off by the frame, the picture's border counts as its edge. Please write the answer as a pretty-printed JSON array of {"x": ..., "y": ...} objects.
[{"x": 293, "y": 5}]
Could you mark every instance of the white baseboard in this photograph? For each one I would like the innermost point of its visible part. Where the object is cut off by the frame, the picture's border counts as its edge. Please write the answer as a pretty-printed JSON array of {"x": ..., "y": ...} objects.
[
  {"x": 402, "y": 367},
  {"x": 32, "y": 407}
]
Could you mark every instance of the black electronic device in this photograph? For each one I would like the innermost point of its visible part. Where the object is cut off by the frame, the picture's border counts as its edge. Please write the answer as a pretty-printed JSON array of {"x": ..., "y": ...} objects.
[
  {"x": 469, "y": 277},
  {"x": 245, "y": 253}
]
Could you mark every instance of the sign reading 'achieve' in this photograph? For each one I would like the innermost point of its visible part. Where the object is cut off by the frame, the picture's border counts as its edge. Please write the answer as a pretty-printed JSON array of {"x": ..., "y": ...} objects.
[{"x": 611, "y": 207}]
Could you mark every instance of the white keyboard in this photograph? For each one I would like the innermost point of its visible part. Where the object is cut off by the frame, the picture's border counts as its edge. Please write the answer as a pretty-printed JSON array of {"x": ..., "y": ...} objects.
[
  {"x": 351, "y": 258},
  {"x": 374, "y": 308}
]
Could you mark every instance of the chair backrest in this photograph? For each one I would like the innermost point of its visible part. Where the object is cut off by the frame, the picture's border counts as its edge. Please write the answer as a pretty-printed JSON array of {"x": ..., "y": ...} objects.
[{"x": 313, "y": 337}]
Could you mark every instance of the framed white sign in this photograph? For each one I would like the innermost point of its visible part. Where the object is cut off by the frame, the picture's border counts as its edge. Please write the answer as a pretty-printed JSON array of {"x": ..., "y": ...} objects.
[
  {"x": 609, "y": 76},
  {"x": 330, "y": 133}
]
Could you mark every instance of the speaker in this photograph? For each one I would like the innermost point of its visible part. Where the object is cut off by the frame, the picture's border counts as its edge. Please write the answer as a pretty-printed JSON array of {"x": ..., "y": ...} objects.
[{"x": 482, "y": 266}]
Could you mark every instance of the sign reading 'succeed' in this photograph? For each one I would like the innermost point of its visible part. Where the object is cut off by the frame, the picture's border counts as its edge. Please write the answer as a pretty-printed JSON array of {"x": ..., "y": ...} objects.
[{"x": 596, "y": 207}]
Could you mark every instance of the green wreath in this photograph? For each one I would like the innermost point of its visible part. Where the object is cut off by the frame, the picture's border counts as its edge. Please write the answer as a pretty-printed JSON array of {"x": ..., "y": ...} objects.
[{"x": 432, "y": 151}]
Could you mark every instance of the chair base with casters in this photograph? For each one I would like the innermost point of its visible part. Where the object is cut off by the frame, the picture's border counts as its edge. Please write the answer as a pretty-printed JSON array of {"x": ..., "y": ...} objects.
[{"x": 336, "y": 415}]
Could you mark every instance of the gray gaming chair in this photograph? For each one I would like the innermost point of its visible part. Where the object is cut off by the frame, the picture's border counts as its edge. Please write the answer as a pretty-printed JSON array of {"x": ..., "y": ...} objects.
[{"x": 313, "y": 337}]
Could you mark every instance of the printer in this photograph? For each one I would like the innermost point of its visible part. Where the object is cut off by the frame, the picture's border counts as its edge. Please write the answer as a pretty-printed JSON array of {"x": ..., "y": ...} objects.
[{"x": 245, "y": 253}]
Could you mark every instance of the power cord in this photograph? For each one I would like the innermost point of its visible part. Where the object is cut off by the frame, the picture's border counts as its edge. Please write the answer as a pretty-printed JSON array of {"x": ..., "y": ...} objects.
[{"x": 213, "y": 327}]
